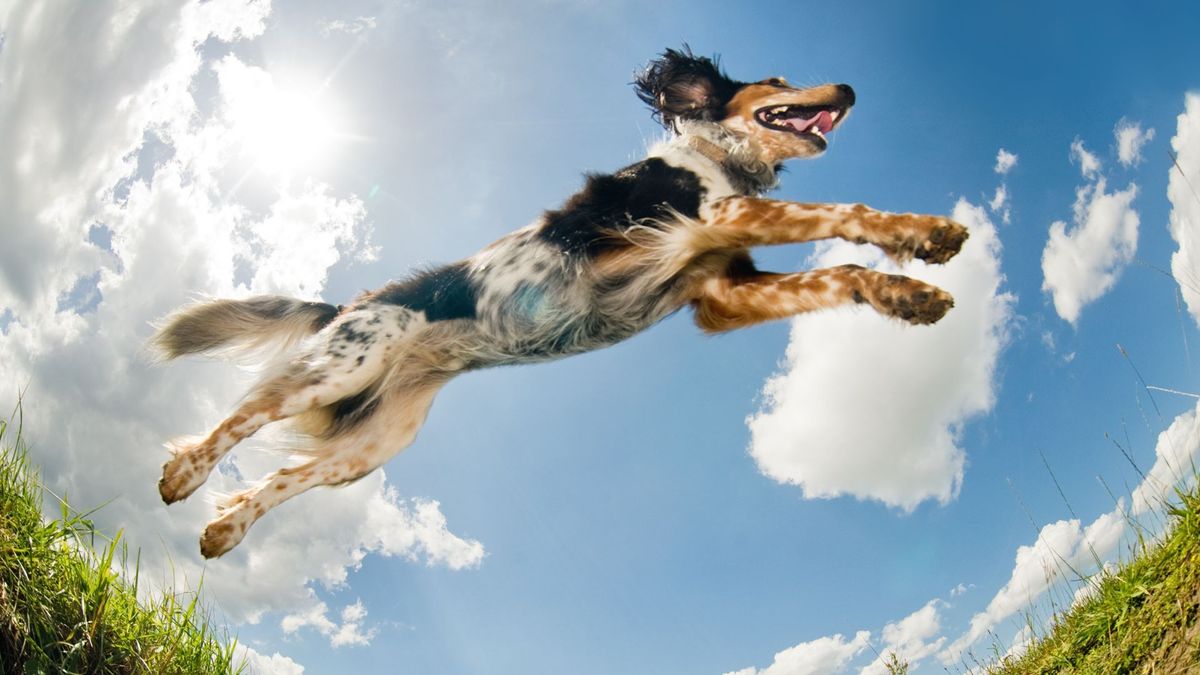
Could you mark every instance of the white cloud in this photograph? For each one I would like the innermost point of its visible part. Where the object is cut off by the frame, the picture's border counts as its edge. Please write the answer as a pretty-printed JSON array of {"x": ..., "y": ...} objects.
[
  {"x": 1174, "y": 464},
  {"x": 1000, "y": 198},
  {"x": 917, "y": 385},
  {"x": 1089, "y": 164},
  {"x": 1061, "y": 549},
  {"x": 823, "y": 656},
  {"x": 1000, "y": 204},
  {"x": 960, "y": 589},
  {"x": 96, "y": 412},
  {"x": 1183, "y": 190},
  {"x": 1082, "y": 262},
  {"x": 349, "y": 632},
  {"x": 353, "y": 26},
  {"x": 260, "y": 664},
  {"x": 1005, "y": 161},
  {"x": 1130, "y": 141},
  {"x": 911, "y": 639}
]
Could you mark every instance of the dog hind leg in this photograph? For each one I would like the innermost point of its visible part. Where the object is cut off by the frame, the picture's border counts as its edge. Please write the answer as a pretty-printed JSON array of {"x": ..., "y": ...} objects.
[
  {"x": 391, "y": 427},
  {"x": 349, "y": 356}
]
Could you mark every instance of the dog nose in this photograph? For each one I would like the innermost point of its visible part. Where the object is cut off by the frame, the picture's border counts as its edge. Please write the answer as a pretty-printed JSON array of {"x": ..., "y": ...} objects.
[{"x": 847, "y": 92}]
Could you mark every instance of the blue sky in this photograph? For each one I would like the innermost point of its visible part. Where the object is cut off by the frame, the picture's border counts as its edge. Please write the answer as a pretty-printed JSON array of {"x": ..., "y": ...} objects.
[{"x": 617, "y": 511}]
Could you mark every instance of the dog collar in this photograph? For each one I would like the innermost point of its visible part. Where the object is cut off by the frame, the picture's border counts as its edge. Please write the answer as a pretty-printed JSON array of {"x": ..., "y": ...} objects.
[{"x": 709, "y": 149}]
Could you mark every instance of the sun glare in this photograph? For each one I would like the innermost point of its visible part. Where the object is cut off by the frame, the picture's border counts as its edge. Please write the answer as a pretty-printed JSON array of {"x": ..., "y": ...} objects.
[{"x": 284, "y": 132}]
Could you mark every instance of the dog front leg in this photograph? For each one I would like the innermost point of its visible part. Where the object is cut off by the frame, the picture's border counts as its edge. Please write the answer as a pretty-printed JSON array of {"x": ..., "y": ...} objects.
[
  {"x": 725, "y": 303},
  {"x": 742, "y": 222}
]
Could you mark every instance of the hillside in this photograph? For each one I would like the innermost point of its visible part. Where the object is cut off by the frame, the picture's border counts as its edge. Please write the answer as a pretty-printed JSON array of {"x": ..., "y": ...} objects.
[{"x": 63, "y": 609}]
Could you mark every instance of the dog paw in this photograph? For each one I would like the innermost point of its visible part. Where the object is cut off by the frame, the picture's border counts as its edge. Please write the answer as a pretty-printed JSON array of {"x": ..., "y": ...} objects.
[
  {"x": 930, "y": 238},
  {"x": 181, "y": 475},
  {"x": 944, "y": 242},
  {"x": 910, "y": 300},
  {"x": 222, "y": 534}
]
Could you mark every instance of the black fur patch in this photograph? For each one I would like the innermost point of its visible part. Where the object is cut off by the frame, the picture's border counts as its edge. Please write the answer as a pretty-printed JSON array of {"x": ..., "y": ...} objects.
[
  {"x": 323, "y": 313},
  {"x": 348, "y": 412},
  {"x": 443, "y": 293},
  {"x": 608, "y": 204},
  {"x": 741, "y": 267}
]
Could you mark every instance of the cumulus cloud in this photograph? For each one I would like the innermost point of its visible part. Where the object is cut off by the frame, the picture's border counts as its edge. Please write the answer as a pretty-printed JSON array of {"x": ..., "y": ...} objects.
[
  {"x": 1089, "y": 164},
  {"x": 349, "y": 632},
  {"x": 1082, "y": 262},
  {"x": 1005, "y": 161},
  {"x": 85, "y": 204},
  {"x": 910, "y": 639},
  {"x": 1000, "y": 204},
  {"x": 1183, "y": 190},
  {"x": 1130, "y": 141},
  {"x": 917, "y": 385},
  {"x": 1174, "y": 462},
  {"x": 1061, "y": 548},
  {"x": 823, "y": 656},
  {"x": 260, "y": 664},
  {"x": 999, "y": 199}
]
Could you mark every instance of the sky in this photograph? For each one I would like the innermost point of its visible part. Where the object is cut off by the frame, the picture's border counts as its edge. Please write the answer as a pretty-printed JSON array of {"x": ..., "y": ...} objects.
[{"x": 799, "y": 497}]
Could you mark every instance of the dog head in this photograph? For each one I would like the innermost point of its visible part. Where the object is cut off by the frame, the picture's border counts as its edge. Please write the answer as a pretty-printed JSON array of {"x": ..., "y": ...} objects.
[{"x": 781, "y": 121}]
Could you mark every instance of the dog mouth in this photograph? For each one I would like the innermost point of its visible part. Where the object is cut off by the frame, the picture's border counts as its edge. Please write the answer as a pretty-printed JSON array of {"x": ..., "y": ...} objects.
[{"x": 805, "y": 121}]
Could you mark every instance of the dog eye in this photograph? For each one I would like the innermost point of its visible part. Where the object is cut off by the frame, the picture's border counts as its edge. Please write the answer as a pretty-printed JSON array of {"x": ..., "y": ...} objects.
[{"x": 777, "y": 81}]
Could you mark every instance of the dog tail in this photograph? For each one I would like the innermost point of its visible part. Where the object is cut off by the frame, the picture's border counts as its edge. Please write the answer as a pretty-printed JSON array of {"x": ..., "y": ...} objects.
[{"x": 232, "y": 328}]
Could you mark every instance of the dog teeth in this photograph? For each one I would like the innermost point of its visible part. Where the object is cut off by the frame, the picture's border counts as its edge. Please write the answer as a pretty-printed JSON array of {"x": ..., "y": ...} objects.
[{"x": 833, "y": 115}]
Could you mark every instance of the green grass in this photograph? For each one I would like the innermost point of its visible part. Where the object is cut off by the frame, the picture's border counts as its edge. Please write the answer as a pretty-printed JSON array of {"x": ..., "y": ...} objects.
[
  {"x": 1141, "y": 619},
  {"x": 63, "y": 607}
]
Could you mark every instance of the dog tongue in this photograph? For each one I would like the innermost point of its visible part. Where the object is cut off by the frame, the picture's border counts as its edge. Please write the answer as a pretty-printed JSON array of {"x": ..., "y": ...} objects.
[{"x": 822, "y": 121}]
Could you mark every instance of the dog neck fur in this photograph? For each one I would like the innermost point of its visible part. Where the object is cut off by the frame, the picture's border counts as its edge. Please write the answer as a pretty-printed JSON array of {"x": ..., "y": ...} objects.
[{"x": 741, "y": 166}]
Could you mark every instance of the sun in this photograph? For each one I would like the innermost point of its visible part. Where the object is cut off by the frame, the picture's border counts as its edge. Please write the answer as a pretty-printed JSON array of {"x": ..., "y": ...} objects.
[{"x": 282, "y": 132}]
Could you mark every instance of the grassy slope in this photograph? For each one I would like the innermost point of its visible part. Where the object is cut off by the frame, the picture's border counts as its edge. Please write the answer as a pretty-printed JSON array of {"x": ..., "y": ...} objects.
[
  {"x": 1142, "y": 619},
  {"x": 64, "y": 610}
]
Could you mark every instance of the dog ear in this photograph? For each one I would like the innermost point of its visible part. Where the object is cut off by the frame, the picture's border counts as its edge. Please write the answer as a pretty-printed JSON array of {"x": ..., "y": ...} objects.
[{"x": 681, "y": 86}]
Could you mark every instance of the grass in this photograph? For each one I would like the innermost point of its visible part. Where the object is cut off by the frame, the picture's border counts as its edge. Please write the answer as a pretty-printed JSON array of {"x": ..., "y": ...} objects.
[
  {"x": 63, "y": 607},
  {"x": 1143, "y": 618}
]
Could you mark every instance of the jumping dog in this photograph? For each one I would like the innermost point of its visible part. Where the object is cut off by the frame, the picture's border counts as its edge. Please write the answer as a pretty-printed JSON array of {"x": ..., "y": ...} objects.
[{"x": 630, "y": 248}]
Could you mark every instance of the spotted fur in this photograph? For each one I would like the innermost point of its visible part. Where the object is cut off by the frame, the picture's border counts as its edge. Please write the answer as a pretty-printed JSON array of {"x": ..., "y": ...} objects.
[{"x": 630, "y": 248}]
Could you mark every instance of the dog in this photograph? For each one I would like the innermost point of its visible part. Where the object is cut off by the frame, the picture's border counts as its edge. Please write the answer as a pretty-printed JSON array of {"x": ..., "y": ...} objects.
[{"x": 629, "y": 249}]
